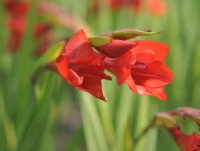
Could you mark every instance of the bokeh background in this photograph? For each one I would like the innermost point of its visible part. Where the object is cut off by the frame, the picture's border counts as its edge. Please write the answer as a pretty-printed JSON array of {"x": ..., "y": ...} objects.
[{"x": 47, "y": 114}]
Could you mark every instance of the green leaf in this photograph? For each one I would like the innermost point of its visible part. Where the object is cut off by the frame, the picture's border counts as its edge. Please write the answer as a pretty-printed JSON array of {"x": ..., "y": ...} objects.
[
  {"x": 99, "y": 41},
  {"x": 126, "y": 34}
]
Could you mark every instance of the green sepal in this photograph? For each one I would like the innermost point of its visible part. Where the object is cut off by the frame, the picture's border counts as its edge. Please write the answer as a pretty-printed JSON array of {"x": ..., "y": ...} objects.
[{"x": 99, "y": 41}]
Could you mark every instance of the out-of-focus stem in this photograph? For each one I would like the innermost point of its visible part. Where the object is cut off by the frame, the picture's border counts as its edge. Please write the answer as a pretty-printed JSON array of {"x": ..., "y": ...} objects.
[
  {"x": 142, "y": 120},
  {"x": 8, "y": 126}
]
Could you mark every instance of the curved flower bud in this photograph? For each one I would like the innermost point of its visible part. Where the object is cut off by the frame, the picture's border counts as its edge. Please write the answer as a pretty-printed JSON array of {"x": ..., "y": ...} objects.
[{"x": 115, "y": 48}]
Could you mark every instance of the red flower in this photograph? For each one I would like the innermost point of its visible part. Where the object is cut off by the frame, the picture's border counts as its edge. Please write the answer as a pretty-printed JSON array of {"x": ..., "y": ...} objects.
[
  {"x": 184, "y": 141},
  {"x": 81, "y": 67},
  {"x": 143, "y": 69}
]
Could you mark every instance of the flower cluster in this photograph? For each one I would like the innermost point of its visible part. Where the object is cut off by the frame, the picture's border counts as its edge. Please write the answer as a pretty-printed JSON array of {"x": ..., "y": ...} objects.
[{"x": 139, "y": 64}]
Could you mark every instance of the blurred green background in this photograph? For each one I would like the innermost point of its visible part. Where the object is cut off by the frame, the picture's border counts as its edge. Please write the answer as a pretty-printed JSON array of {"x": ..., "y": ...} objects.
[{"x": 52, "y": 115}]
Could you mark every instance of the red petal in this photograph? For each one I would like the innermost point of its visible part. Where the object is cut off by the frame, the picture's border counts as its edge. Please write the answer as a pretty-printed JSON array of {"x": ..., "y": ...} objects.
[
  {"x": 79, "y": 50},
  {"x": 154, "y": 75},
  {"x": 92, "y": 86},
  {"x": 157, "y": 92},
  {"x": 160, "y": 49},
  {"x": 116, "y": 48},
  {"x": 62, "y": 66},
  {"x": 140, "y": 90},
  {"x": 146, "y": 57},
  {"x": 121, "y": 66}
]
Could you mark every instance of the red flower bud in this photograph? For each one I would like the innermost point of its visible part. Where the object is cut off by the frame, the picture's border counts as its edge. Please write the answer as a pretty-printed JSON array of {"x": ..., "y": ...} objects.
[{"x": 116, "y": 48}]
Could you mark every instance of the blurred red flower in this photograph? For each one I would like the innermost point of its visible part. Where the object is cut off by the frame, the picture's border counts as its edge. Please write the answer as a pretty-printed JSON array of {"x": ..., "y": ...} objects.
[
  {"x": 82, "y": 67},
  {"x": 16, "y": 22},
  {"x": 184, "y": 141},
  {"x": 143, "y": 68},
  {"x": 156, "y": 7},
  {"x": 16, "y": 8}
]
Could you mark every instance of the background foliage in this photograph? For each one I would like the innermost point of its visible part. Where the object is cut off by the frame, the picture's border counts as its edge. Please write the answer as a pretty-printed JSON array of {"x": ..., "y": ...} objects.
[{"x": 54, "y": 116}]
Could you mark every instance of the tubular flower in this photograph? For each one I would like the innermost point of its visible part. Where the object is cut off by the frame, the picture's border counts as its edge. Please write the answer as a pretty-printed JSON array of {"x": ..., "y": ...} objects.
[
  {"x": 143, "y": 68},
  {"x": 186, "y": 142},
  {"x": 82, "y": 67}
]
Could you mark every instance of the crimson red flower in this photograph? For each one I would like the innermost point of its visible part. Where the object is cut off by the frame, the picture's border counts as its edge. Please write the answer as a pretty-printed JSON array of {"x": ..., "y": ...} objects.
[
  {"x": 143, "y": 68},
  {"x": 186, "y": 142},
  {"x": 81, "y": 67}
]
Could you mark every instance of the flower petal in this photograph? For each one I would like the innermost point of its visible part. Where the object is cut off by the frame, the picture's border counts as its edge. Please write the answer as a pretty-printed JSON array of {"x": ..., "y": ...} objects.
[
  {"x": 121, "y": 66},
  {"x": 141, "y": 90},
  {"x": 116, "y": 48},
  {"x": 157, "y": 92},
  {"x": 160, "y": 49},
  {"x": 154, "y": 75},
  {"x": 92, "y": 86},
  {"x": 79, "y": 50}
]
